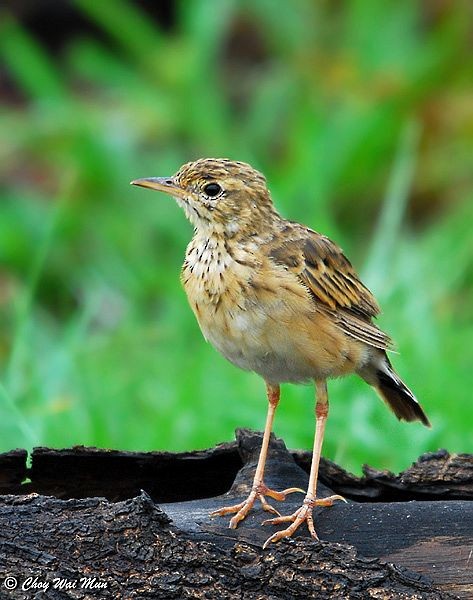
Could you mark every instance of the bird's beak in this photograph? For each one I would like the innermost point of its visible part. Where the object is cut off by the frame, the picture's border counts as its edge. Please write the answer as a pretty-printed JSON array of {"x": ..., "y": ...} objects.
[{"x": 161, "y": 184}]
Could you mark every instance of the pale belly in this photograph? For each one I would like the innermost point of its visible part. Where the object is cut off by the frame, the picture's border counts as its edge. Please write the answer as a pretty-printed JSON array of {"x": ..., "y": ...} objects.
[
  {"x": 270, "y": 327},
  {"x": 254, "y": 342},
  {"x": 279, "y": 345}
]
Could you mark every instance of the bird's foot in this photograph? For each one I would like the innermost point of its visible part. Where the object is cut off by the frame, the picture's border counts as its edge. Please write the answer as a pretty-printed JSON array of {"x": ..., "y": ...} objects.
[
  {"x": 258, "y": 492},
  {"x": 304, "y": 513}
]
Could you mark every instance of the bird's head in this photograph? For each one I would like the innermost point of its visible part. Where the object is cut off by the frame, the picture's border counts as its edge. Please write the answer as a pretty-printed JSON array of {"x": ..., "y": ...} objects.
[{"x": 216, "y": 193}]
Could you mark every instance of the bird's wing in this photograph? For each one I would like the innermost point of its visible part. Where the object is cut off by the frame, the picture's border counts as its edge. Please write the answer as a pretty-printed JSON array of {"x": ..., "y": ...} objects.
[{"x": 335, "y": 287}]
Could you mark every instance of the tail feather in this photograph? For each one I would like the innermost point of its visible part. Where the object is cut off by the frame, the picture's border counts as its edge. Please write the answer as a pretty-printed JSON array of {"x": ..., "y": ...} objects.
[{"x": 394, "y": 392}]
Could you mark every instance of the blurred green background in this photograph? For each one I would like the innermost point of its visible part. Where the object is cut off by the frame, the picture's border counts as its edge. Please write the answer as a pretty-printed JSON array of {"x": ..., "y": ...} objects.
[{"x": 360, "y": 113}]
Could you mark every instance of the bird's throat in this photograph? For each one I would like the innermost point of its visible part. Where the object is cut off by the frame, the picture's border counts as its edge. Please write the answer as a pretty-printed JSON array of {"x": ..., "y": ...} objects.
[{"x": 205, "y": 267}]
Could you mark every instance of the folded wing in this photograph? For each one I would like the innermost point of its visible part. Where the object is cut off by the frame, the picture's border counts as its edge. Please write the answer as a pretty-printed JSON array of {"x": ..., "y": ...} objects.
[{"x": 335, "y": 287}]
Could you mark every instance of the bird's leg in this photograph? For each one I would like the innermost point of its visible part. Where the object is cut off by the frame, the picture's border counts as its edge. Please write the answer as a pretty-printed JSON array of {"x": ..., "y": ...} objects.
[
  {"x": 304, "y": 513},
  {"x": 259, "y": 489}
]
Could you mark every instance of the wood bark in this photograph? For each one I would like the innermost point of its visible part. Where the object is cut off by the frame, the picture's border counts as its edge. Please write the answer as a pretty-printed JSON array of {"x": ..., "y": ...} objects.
[{"x": 93, "y": 523}]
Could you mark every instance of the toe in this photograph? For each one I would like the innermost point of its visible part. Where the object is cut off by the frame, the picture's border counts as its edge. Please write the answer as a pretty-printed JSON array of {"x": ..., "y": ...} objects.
[
  {"x": 282, "y": 519},
  {"x": 241, "y": 514},
  {"x": 273, "y": 539},
  {"x": 227, "y": 510},
  {"x": 279, "y": 535},
  {"x": 267, "y": 507},
  {"x": 310, "y": 525},
  {"x": 328, "y": 501},
  {"x": 280, "y": 496}
]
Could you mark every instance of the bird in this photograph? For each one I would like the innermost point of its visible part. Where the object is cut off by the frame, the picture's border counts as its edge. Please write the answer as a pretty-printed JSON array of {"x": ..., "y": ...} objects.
[{"x": 279, "y": 299}]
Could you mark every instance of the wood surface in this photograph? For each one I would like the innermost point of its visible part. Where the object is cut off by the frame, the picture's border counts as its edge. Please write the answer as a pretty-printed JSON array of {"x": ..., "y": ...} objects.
[{"x": 139, "y": 523}]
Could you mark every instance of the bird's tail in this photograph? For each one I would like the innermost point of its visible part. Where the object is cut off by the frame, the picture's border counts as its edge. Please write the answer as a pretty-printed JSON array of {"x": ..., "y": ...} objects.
[{"x": 381, "y": 375}]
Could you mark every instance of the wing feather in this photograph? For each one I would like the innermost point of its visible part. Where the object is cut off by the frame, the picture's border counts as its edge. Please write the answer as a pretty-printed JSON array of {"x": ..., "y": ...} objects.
[{"x": 336, "y": 288}]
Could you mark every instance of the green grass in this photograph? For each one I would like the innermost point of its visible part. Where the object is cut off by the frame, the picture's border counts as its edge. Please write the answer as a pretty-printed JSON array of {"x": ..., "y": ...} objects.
[{"x": 361, "y": 119}]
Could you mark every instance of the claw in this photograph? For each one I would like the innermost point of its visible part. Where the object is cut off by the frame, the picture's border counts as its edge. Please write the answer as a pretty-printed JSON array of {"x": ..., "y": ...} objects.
[
  {"x": 328, "y": 501},
  {"x": 281, "y": 496},
  {"x": 267, "y": 507}
]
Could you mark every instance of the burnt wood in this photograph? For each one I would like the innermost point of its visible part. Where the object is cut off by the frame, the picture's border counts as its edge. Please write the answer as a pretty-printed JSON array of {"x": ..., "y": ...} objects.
[{"x": 81, "y": 513}]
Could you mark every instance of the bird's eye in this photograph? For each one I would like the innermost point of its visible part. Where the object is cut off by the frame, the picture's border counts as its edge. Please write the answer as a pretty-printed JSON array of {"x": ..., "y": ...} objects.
[{"x": 212, "y": 190}]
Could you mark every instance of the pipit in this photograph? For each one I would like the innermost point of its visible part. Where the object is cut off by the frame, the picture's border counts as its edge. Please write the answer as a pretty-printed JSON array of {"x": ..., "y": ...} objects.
[{"x": 280, "y": 299}]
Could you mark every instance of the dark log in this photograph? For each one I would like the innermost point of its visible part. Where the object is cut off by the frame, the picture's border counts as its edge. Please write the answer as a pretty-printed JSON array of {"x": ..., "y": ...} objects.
[
  {"x": 161, "y": 543},
  {"x": 12, "y": 471}
]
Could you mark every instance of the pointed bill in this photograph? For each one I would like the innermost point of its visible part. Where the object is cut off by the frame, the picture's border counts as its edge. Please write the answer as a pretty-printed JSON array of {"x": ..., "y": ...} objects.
[{"x": 161, "y": 184}]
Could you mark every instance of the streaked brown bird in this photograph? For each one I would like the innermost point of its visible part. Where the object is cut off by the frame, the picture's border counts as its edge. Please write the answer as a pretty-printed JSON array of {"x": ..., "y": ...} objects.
[{"x": 279, "y": 299}]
